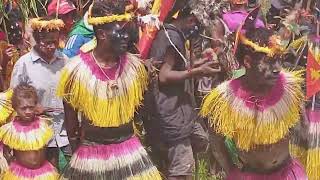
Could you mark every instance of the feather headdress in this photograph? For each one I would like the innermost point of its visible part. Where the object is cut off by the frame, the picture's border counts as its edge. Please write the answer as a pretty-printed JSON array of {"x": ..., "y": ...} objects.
[{"x": 274, "y": 46}]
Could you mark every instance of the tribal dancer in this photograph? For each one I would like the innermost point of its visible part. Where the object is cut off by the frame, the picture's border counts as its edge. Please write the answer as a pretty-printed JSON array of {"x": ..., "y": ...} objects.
[
  {"x": 305, "y": 141},
  {"x": 257, "y": 110},
  {"x": 106, "y": 85},
  {"x": 27, "y": 135},
  {"x": 6, "y": 112}
]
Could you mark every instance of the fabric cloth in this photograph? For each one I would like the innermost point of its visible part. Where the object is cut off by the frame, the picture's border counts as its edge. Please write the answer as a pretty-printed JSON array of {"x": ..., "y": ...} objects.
[
  {"x": 17, "y": 171},
  {"x": 125, "y": 160},
  {"x": 65, "y": 7},
  {"x": 172, "y": 111},
  {"x": 291, "y": 171},
  {"x": 44, "y": 76},
  {"x": 74, "y": 44},
  {"x": 180, "y": 154},
  {"x": 82, "y": 27},
  {"x": 80, "y": 34},
  {"x": 233, "y": 19}
]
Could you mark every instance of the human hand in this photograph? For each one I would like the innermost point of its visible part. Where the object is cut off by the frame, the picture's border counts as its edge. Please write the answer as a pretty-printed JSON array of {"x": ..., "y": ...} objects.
[
  {"x": 209, "y": 68},
  {"x": 207, "y": 55},
  {"x": 10, "y": 51},
  {"x": 210, "y": 54}
]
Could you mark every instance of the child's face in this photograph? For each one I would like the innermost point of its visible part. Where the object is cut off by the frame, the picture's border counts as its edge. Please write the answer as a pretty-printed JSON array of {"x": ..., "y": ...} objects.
[{"x": 26, "y": 109}]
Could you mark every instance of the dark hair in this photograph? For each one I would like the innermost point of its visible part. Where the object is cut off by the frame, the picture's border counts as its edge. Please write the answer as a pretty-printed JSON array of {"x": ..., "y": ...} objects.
[
  {"x": 23, "y": 91},
  {"x": 107, "y": 7},
  {"x": 259, "y": 36}
]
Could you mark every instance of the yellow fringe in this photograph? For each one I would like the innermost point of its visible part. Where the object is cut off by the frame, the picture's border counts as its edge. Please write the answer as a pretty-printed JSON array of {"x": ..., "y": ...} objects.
[
  {"x": 8, "y": 175},
  {"x": 151, "y": 174},
  {"x": 298, "y": 42},
  {"x": 33, "y": 140},
  {"x": 270, "y": 52},
  {"x": 310, "y": 159},
  {"x": 231, "y": 118},
  {"x": 89, "y": 45},
  {"x": 95, "y": 21},
  {"x": 156, "y": 7},
  {"x": 104, "y": 107},
  {"x": 6, "y": 109},
  {"x": 39, "y": 24}
]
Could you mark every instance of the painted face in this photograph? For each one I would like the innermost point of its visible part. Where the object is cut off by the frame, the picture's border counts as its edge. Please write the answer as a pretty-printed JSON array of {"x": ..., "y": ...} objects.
[
  {"x": 266, "y": 70},
  {"x": 48, "y": 44},
  {"x": 119, "y": 38},
  {"x": 26, "y": 109}
]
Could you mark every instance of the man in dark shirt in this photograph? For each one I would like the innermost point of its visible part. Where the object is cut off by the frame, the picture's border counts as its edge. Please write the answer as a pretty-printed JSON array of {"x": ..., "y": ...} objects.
[{"x": 173, "y": 119}]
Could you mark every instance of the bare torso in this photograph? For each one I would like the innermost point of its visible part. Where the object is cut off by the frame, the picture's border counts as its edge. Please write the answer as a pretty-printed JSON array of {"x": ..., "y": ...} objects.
[
  {"x": 30, "y": 159},
  {"x": 266, "y": 158}
]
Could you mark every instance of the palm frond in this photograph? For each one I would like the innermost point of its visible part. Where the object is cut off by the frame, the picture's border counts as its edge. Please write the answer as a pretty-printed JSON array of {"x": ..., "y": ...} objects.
[
  {"x": 265, "y": 7},
  {"x": 28, "y": 8}
]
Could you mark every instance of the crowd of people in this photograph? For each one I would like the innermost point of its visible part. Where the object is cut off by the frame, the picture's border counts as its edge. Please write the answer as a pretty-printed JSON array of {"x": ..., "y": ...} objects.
[{"x": 136, "y": 89}]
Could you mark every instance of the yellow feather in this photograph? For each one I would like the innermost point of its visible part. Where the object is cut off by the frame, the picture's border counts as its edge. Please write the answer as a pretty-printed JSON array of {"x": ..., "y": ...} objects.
[
  {"x": 33, "y": 140},
  {"x": 152, "y": 173},
  {"x": 241, "y": 124},
  {"x": 309, "y": 158},
  {"x": 6, "y": 109},
  {"x": 8, "y": 175},
  {"x": 102, "y": 106}
]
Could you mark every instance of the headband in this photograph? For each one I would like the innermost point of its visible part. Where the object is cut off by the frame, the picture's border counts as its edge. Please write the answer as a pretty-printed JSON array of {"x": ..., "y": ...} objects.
[
  {"x": 39, "y": 24},
  {"x": 95, "y": 21}
]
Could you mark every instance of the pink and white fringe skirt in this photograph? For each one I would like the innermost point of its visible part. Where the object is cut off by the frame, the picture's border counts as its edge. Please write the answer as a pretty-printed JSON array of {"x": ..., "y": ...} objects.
[
  {"x": 19, "y": 172},
  {"x": 126, "y": 160},
  {"x": 292, "y": 171}
]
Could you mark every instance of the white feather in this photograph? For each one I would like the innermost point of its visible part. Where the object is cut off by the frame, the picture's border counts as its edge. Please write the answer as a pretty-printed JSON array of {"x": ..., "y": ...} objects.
[
  {"x": 143, "y": 4},
  {"x": 151, "y": 20}
]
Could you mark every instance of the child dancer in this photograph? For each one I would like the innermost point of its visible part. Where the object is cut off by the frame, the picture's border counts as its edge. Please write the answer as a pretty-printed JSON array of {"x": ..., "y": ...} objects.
[{"x": 26, "y": 135}]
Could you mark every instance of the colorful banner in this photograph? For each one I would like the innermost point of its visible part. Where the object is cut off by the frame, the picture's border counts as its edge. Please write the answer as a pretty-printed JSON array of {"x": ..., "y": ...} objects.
[
  {"x": 313, "y": 70},
  {"x": 161, "y": 8}
]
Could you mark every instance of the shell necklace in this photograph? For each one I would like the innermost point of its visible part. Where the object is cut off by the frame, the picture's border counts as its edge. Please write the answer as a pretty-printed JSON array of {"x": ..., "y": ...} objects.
[{"x": 112, "y": 84}]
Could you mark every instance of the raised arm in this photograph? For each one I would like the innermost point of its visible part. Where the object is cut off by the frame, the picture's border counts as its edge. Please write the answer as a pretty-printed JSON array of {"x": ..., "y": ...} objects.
[{"x": 169, "y": 75}]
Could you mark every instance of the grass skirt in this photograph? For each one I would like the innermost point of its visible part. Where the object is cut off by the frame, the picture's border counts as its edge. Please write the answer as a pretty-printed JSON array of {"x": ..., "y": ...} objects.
[
  {"x": 3, "y": 161},
  {"x": 126, "y": 160},
  {"x": 18, "y": 172},
  {"x": 292, "y": 171},
  {"x": 305, "y": 143}
]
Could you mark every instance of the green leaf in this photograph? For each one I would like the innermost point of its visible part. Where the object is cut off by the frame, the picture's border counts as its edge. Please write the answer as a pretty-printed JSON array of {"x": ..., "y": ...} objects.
[{"x": 265, "y": 7}]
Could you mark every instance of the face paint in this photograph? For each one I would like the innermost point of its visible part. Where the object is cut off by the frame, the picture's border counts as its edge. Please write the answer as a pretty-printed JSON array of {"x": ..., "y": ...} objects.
[
  {"x": 266, "y": 70},
  {"x": 48, "y": 44},
  {"x": 119, "y": 38}
]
